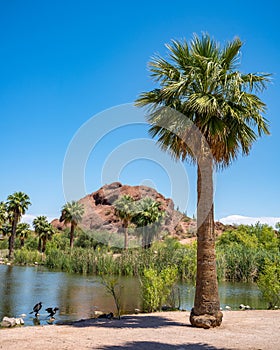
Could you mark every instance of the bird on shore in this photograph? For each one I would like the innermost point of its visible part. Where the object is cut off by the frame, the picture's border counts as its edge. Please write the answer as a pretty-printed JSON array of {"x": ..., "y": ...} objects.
[
  {"x": 52, "y": 311},
  {"x": 109, "y": 316},
  {"x": 36, "y": 309}
]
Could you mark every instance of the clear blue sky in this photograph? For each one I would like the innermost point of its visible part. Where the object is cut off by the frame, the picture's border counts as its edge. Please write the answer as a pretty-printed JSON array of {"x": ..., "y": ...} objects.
[{"x": 63, "y": 62}]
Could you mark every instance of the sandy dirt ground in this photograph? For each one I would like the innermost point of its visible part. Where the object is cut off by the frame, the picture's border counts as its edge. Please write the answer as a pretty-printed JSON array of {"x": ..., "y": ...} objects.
[{"x": 164, "y": 331}]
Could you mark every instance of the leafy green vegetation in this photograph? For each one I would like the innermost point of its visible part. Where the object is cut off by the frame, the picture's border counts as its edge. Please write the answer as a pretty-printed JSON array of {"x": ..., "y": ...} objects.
[
  {"x": 145, "y": 214},
  {"x": 241, "y": 252},
  {"x": 157, "y": 287},
  {"x": 269, "y": 283}
]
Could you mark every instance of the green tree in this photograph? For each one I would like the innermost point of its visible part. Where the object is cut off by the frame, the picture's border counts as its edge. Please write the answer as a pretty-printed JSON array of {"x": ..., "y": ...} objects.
[
  {"x": 125, "y": 210},
  {"x": 44, "y": 230},
  {"x": 269, "y": 283},
  {"x": 23, "y": 230},
  {"x": 205, "y": 110},
  {"x": 147, "y": 215},
  {"x": 72, "y": 213},
  {"x": 17, "y": 204}
]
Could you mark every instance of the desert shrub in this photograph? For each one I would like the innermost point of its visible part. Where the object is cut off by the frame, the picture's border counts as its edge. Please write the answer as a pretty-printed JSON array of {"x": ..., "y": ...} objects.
[
  {"x": 60, "y": 240},
  {"x": 156, "y": 287},
  {"x": 25, "y": 256},
  {"x": 269, "y": 283},
  {"x": 114, "y": 288},
  {"x": 4, "y": 243},
  {"x": 31, "y": 242}
]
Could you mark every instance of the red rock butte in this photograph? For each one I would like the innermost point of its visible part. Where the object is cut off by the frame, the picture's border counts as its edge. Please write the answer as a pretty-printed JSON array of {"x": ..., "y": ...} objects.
[{"x": 99, "y": 211}]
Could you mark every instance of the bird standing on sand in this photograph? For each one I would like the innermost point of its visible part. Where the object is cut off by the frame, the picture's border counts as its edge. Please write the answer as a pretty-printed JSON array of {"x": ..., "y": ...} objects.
[
  {"x": 36, "y": 309},
  {"x": 52, "y": 311}
]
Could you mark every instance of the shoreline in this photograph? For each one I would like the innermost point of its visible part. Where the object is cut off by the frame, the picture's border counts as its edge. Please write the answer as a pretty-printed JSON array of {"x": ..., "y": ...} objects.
[{"x": 252, "y": 330}]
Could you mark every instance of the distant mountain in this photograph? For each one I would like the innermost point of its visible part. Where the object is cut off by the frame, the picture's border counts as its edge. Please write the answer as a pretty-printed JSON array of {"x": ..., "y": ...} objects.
[{"x": 100, "y": 213}]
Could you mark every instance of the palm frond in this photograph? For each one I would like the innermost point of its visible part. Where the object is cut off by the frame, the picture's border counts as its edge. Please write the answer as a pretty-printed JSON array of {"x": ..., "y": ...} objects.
[
  {"x": 230, "y": 54},
  {"x": 200, "y": 82}
]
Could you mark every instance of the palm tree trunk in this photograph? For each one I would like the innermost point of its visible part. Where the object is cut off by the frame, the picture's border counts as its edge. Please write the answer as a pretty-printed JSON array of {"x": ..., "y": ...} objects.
[
  {"x": 44, "y": 244},
  {"x": 72, "y": 230},
  {"x": 40, "y": 245},
  {"x": 145, "y": 239},
  {"x": 206, "y": 311},
  {"x": 126, "y": 235},
  {"x": 12, "y": 237}
]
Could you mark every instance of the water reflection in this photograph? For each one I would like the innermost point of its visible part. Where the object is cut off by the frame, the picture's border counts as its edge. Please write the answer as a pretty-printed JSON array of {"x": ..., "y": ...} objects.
[
  {"x": 80, "y": 296},
  {"x": 7, "y": 291}
]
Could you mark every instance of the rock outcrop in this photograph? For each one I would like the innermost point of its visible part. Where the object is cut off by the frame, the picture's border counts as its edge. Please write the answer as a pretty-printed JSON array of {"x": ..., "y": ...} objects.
[
  {"x": 99, "y": 211},
  {"x": 8, "y": 322}
]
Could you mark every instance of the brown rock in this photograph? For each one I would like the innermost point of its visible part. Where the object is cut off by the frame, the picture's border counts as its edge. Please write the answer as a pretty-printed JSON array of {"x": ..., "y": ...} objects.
[{"x": 99, "y": 212}]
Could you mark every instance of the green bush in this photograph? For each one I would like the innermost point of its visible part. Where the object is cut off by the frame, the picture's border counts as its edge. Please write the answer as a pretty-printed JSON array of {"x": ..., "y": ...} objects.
[
  {"x": 241, "y": 252},
  {"x": 269, "y": 283},
  {"x": 156, "y": 287},
  {"x": 25, "y": 256},
  {"x": 4, "y": 244}
]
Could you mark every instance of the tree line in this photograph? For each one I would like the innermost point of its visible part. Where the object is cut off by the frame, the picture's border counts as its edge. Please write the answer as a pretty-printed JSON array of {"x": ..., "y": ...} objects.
[{"x": 142, "y": 214}]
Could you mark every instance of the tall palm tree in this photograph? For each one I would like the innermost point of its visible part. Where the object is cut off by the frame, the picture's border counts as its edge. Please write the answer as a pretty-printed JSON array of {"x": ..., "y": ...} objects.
[
  {"x": 23, "y": 229},
  {"x": 72, "y": 213},
  {"x": 44, "y": 230},
  {"x": 148, "y": 213},
  {"x": 17, "y": 204},
  {"x": 205, "y": 110},
  {"x": 124, "y": 209}
]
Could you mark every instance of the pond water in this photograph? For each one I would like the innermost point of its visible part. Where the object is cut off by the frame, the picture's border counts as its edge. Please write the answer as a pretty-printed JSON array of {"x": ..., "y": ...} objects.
[{"x": 79, "y": 296}]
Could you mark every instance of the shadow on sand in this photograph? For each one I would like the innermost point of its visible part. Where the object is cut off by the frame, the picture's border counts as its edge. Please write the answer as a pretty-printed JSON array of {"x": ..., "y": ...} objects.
[
  {"x": 142, "y": 322},
  {"x": 128, "y": 322},
  {"x": 143, "y": 345}
]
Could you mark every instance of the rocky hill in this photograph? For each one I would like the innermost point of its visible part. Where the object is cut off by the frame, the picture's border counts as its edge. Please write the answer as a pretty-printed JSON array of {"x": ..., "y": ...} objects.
[{"x": 100, "y": 212}]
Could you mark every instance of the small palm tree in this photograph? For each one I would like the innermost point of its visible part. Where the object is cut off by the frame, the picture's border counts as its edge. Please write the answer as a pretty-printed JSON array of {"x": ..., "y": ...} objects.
[
  {"x": 148, "y": 214},
  {"x": 23, "y": 230},
  {"x": 3, "y": 217},
  {"x": 44, "y": 230},
  {"x": 46, "y": 235},
  {"x": 124, "y": 209},
  {"x": 205, "y": 110},
  {"x": 3, "y": 213},
  {"x": 72, "y": 213},
  {"x": 6, "y": 230},
  {"x": 17, "y": 204}
]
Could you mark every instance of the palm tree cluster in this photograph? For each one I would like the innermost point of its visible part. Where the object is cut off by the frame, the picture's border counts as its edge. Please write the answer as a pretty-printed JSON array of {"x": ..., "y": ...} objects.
[
  {"x": 44, "y": 231},
  {"x": 205, "y": 110},
  {"x": 144, "y": 214},
  {"x": 10, "y": 214}
]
